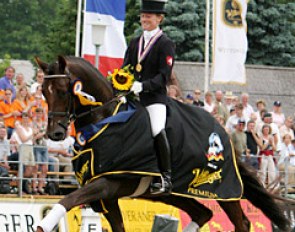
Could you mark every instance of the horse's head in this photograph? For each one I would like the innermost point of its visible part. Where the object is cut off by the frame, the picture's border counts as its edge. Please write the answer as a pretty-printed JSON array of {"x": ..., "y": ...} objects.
[
  {"x": 56, "y": 91},
  {"x": 59, "y": 81}
]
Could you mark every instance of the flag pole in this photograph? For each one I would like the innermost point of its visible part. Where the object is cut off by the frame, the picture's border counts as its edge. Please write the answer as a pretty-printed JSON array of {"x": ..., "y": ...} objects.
[
  {"x": 78, "y": 28},
  {"x": 207, "y": 41}
]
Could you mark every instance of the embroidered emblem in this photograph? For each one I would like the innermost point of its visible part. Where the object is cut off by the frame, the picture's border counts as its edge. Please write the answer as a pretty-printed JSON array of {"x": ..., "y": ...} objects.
[
  {"x": 215, "y": 151},
  {"x": 204, "y": 177},
  {"x": 80, "y": 174}
]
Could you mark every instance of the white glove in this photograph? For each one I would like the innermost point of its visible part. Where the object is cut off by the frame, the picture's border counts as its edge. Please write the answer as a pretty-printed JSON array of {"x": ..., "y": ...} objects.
[{"x": 136, "y": 87}]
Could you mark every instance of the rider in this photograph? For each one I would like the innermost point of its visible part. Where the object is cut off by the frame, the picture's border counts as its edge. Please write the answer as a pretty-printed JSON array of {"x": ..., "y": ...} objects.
[{"x": 152, "y": 56}]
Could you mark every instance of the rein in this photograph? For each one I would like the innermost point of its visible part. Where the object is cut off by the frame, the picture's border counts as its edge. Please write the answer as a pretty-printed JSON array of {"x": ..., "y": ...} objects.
[{"x": 73, "y": 116}]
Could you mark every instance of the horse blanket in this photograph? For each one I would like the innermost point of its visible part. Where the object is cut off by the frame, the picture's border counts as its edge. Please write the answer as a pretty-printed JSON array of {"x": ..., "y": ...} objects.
[{"x": 203, "y": 161}]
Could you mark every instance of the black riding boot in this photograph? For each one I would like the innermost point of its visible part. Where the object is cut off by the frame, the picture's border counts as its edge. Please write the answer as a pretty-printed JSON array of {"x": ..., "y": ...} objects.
[{"x": 164, "y": 160}]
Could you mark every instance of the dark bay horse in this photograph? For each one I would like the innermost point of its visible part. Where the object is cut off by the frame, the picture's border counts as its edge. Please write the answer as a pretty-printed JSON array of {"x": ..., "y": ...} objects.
[{"x": 64, "y": 106}]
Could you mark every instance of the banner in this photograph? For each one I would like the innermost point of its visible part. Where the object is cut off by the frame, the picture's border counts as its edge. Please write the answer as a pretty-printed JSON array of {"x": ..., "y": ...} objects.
[
  {"x": 229, "y": 42},
  {"x": 111, "y": 52}
]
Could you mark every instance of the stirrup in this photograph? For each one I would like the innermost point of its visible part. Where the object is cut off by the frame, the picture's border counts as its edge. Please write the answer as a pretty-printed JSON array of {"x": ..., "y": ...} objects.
[{"x": 164, "y": 187}]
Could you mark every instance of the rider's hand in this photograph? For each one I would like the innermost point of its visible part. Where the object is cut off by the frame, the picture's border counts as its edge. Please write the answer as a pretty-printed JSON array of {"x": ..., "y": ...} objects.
[{"x": 136, "y": 87}]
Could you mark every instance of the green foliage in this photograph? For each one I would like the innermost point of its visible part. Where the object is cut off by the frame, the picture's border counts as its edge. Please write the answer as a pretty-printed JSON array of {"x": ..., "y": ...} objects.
[
  {"x": 23, "y": 24},
  {"x": 61, "y": 36},
  {"x": 4, "y": 64},
  {"x": 184, "y": 24},
  {"x": 271, "y": 33},
  {"x": 132, "y": 24}
]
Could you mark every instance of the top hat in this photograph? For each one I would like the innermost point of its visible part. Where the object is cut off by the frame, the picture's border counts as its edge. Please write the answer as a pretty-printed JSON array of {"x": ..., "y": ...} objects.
[{"x": 153, "y": 6}]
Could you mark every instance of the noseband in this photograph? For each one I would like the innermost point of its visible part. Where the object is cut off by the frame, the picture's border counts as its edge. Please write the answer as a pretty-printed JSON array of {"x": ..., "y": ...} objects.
[{"x": 66, "y": 114}]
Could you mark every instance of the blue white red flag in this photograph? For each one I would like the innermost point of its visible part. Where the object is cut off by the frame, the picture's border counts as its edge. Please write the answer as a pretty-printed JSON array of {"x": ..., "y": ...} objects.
[{"x": 111, "y": 13}]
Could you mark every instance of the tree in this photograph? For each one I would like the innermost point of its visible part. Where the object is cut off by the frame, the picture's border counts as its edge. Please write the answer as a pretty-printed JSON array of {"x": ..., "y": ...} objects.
[
  {"x": 23, "y": 24},
  {"x": 60, "y": 39},
  {"x": 270, "y": 27},
  {"x": 4, "y": 64},
  {"x": 184, "y": 24}
]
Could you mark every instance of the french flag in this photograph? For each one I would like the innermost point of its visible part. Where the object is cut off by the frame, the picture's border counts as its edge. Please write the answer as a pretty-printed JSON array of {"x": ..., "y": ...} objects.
[{"x": 111, "y": 13}]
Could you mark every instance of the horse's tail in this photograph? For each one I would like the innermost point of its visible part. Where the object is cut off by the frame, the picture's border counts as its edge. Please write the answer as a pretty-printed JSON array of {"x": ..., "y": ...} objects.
[{"x": 262, "y": 199}]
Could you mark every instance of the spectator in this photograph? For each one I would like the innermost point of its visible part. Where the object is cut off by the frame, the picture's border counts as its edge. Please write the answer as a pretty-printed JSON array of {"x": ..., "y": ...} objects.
[
  {"x": 267, "y": 119},
  {"x": 239, "y": 139},
  {"x": 197, "y": 101},
  {"x": 20, "y": 81},
  {"x": 4, "y": 148},
  {"x": 287, "y": 159},
  {"x": 287, "y": 128},
  {"x": 8, "y": 112},
  {"x": 253, "y": 143},
  {"x": 248, "y": 109},
  {"x": 173, "y": 92},
  {"x": 39, "y": 81},
  {"x": 278, "y": 117},
  {"x": 23, "y": 135},
  {"x": 228, "y": 97},
  {"x": 61, "y": 152},
  {"x": 23, "y": 101},
  {"x": 6, "y": 81},
  {"x": 40, "y": 103},
  {"x": 260, "y": 105},
  {"x": 233, "y": 120},
  {"x": 221, "y": 108},
  {"x": 208, "y": 103},
  {"x": 189, "y": 99},
  {"x": 267, "y": 149},
  {"x": 40, "y": 148},
  {"x": 232, "y": 111}
]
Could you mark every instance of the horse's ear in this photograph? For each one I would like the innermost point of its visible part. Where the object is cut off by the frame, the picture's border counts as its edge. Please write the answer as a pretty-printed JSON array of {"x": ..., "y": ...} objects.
[
  {"x": 42, "y": 65},
  {"x": 62, "y": 64}
]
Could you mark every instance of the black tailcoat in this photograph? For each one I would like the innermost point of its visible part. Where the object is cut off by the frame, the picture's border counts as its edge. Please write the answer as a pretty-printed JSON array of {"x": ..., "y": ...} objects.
[{"x": 156, "y": 69}]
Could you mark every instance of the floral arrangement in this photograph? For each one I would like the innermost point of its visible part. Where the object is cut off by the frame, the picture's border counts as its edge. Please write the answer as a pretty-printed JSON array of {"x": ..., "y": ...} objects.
[{"x": 122, "y": 79}]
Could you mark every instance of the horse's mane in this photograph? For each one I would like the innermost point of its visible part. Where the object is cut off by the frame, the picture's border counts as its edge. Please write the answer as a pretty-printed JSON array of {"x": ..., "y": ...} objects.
[{"x": 80, "y": 67}]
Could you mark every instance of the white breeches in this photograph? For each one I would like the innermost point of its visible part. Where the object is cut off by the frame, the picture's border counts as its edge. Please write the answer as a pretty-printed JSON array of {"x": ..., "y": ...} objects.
[{"x": 158, "y": 114}]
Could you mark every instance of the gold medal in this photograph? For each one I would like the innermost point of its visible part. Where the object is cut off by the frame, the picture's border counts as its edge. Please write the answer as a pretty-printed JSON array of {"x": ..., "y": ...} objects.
[{"x": 138, "y": 67}]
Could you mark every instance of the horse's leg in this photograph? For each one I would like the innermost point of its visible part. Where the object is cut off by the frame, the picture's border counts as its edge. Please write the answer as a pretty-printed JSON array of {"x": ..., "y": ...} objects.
[
  {"x": 112, "y": 214},
  {"x": 101, "y": 188},
  {"x": 199, "y": 213},
  {"x": 236, "y": 215}
]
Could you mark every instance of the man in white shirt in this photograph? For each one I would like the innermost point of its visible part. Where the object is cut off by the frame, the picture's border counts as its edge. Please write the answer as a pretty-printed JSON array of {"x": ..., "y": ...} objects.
[{"x": 248, "y": 109}]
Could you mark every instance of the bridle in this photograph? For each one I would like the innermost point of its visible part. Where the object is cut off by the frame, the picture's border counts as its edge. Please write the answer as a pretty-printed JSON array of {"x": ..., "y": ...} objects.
[
  {"x": 70, "y": 113},
  {"x": 66, "y": 114}
]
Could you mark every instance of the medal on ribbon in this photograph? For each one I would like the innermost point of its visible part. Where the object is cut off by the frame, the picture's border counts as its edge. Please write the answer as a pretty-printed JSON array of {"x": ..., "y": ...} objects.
[{"x": 143, "y": 53}]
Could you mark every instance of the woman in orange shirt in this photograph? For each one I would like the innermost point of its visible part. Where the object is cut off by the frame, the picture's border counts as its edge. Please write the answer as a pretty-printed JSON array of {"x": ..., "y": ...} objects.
[
  {"x": 23, "y": 101},
  {"x": 8, "y": 111}
]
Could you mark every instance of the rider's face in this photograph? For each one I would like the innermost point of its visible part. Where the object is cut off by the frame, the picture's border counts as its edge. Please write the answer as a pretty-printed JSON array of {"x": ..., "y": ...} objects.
[{"x": 150, "y": 21}]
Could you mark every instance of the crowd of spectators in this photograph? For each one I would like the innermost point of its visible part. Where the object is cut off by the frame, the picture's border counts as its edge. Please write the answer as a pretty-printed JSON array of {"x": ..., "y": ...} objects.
[
  {"x": 263, "y": 136},
  {"x": 23, "y": 124}
]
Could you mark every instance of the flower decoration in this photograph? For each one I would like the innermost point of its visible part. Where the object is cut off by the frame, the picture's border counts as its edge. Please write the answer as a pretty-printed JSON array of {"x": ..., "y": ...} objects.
[{"x": 122, "y": 79}]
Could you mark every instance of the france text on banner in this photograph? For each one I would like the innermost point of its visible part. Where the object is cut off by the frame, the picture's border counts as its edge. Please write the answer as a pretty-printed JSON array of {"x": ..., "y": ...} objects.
[
  {"x": 229, "y": 42},
  {"x": 111, "y": 13}
]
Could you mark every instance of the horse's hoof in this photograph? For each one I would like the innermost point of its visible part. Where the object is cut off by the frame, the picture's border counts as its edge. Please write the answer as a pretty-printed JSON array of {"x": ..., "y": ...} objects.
[{"x": 39, "y": 229}]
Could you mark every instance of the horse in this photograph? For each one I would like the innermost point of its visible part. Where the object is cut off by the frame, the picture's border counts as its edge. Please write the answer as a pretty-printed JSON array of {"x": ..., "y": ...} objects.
[{"x": 64, "y": 78}]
